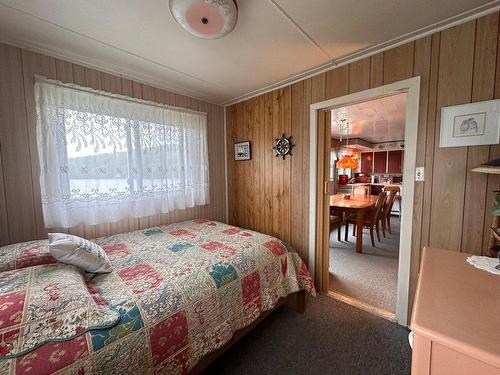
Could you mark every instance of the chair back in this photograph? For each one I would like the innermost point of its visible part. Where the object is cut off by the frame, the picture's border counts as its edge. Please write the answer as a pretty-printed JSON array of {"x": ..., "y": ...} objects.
[
  {"x": 389, "y": 203},
  {"x": 360, "y": 190},
  {"x": 379, "y": 205}
]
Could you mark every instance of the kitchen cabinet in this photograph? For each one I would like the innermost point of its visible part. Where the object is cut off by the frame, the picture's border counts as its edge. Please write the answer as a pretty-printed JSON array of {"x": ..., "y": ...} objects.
[
  {"x": 367, "y": 162},
  {"x": 395, "y": 161},
  {"x": 382, "y": 162},
  {"x": 379, "y": 162}
]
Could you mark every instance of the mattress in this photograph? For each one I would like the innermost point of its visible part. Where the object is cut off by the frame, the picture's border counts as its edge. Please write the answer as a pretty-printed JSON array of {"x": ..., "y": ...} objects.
[{"x": 182, "y": 291}]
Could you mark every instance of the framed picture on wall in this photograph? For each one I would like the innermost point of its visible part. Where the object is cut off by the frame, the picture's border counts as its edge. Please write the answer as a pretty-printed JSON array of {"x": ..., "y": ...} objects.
[
  {"x": 470, "y": 124},
  {"x": 242, "y": 151}
]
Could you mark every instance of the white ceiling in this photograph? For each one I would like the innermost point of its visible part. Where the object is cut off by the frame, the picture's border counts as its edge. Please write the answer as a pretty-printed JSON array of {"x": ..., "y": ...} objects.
[
  {"x": 273, "y": 41},
  {"x": 375, "y": 121}
]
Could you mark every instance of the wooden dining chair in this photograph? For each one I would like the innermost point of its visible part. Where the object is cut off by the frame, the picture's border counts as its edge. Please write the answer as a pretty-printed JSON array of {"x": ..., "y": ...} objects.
[
  {"x": 385, "y": 217},
  {"x": 360, "y": 190},
  {"x": 370, "y": 220},
  {"x": 336, "y": 221}
]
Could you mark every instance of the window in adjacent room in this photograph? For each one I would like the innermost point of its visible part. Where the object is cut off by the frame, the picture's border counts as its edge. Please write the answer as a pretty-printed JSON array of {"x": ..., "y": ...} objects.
[{"x": 105, "y": 157}]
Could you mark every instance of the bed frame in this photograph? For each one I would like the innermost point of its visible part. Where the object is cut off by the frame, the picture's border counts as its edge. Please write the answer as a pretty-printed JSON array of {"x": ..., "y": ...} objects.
[{"x": 210, "y": 358}]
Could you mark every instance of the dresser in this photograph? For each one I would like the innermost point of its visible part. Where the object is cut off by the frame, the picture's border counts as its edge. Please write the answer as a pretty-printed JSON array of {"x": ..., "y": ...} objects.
[{"x": 456, "y": 317}]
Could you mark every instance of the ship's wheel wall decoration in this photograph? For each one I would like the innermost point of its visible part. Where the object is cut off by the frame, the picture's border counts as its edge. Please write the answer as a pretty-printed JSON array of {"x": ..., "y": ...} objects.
[{"x": 283, "y": 146}]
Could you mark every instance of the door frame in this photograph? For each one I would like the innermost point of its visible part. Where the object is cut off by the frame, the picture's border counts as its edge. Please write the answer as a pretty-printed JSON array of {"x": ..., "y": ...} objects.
[{"x": 411, "y": 87}]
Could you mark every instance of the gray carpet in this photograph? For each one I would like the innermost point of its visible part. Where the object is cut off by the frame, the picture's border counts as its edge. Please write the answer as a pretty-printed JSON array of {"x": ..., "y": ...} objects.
[
  {"x": 371, "y": 277},
  {"x": 330, "y": 338}
]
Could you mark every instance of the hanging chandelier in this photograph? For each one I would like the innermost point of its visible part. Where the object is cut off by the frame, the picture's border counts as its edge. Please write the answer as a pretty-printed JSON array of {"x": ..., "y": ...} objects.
[
  {"x": 346, "y": 161},
  {"x": 207, "y": 19}
]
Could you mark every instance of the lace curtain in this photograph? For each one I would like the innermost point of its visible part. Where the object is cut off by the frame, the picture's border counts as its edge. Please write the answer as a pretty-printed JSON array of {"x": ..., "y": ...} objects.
[{"x": 106, "y": 157}]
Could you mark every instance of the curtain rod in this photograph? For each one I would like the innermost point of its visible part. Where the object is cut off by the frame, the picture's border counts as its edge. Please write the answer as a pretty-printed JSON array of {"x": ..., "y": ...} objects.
[{"x": 39, "y": 78}]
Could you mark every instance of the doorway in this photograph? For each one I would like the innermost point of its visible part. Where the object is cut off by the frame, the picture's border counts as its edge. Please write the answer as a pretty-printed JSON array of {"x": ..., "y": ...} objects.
[
  {"x": 366, "y": 169},
  {"x": 319, "y": 214}
]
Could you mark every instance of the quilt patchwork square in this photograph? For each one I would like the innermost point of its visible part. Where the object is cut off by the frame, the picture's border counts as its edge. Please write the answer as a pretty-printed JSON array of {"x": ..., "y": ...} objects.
[
  {"x": 205, "y": 221},
  {"x": 140, "y": 277},
  {"x": 130, "y": 321},
  {"x": 223, "y": 273},
  {"x": 195, "y": 286},
  {"x": 179, "y": 246},
  {"x": 177, "y": 364},
  {"x": 15, "y": 280},
  {"x": 182, "y": 233},
  {"x": 220, "y": 249},
  {"x": 276, "y": 247},
  {"x": 168, "y": 336},
  {"x": 250, "y": 287},
  {"x": 128, "y": 355},
  {"x": 12, "y": 306},
  {"x": 161, "y": 301},
  {"x": 152, "y": 232},
  {"x": 52, "y": 356},
  {"x": 119, "y": 250}
]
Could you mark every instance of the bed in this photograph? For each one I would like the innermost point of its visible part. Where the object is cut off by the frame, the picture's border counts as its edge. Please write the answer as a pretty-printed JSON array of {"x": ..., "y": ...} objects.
[{"x": 183, "y": 292}]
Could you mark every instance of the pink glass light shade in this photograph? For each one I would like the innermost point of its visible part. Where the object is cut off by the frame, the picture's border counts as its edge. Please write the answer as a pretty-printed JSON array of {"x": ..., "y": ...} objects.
[{"x": 207, "y": 19}]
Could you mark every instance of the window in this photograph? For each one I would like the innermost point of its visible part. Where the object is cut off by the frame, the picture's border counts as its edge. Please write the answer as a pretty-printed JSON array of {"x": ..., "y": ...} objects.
[
  {"x": 333, "y": 161},
  {"x": 104, "y": 157},
  {"x": 333, "y": 165}
]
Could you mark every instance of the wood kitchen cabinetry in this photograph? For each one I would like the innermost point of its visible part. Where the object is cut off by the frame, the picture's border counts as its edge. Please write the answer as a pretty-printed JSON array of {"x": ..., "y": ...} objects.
[
  {"x": 379, "y": 162},
  {"x": 395, "y": 161},
  {"x": 382, "y": 162},
  {"x": 367, "y": 162}
]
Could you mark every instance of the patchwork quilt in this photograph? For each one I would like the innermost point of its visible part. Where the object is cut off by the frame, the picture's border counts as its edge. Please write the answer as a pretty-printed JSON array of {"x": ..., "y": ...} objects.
[{"x": 181, "y": 291}]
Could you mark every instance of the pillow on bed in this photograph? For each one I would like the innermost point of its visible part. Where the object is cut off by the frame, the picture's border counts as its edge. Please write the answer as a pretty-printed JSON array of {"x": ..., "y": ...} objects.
[
  {"x": 79, "y": 252},
  {"x": 25, "y": 254},
  {"x": 48, "y": 303}
]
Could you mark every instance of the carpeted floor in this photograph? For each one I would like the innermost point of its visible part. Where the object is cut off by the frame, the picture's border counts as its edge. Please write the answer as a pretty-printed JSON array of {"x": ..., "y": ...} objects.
[
  {"x": 371, "y": 277},
  {"x": 330, "y": 338}
]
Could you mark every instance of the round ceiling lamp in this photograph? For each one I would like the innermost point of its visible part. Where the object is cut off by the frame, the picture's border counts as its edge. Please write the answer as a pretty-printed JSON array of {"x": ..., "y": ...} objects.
[{"x": 207, "y": 19}]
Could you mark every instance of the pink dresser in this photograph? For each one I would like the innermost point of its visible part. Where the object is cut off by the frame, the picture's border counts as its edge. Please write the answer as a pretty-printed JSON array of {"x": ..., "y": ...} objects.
[{"x": 456, "y": 317}]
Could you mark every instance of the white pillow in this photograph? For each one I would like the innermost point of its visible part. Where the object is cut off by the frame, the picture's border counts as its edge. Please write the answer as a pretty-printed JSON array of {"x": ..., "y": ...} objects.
[{"x": 79, "y": 252}]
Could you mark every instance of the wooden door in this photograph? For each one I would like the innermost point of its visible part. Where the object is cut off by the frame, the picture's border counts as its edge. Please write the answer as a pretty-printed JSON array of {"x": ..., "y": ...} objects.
[
  {"x": 380, "y": 162},
  {"x": 367, "y": 162},
  {"x": 395, "y": 161},
  {"x": 323, "y": 201}
]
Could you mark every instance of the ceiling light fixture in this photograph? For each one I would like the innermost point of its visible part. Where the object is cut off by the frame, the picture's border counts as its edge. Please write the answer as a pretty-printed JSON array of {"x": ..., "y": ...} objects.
[
  {"x": 207, "y": 19},
  {"x": 346, "y": 161}
]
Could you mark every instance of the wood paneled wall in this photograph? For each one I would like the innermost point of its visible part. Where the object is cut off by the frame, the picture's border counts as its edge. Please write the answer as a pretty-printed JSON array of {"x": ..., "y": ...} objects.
[
  {"x": 20, "y": 206},
  {"x": 452, "y": 207}
]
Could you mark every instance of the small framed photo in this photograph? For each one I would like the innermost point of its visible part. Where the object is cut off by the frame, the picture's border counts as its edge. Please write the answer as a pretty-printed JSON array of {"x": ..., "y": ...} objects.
[
  {"x": 471, "y": 124},
  {"x": 242, "y": 151}
]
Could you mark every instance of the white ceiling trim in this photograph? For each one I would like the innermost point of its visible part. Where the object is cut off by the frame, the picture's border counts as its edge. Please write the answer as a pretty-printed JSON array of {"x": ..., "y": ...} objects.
[
  {"x": 153, "y": 80},
  {"x": 103, "y": 67},
  {"x": 89, "y": 62},
  {"x": 478, "y": 12}
]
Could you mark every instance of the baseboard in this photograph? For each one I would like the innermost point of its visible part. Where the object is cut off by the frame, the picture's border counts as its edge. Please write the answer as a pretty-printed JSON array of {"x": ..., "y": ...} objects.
[{"x": 362, "y": 305}]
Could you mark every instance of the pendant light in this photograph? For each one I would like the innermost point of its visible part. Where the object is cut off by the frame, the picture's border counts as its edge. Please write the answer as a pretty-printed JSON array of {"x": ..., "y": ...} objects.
[
  {"x": 346, "y": 161},
  {"x": 207, "y": 19}
]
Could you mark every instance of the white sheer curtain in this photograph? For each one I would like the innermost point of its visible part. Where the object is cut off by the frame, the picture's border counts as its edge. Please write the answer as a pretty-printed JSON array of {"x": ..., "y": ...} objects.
[{"x": 107, "y": 157}]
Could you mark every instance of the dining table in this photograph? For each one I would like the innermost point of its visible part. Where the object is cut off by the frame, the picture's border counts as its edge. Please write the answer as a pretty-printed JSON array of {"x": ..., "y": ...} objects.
[{"x": 357, "y": 204}]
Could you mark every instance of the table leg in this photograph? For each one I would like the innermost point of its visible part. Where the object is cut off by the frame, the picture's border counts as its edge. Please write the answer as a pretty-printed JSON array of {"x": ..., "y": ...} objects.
[{"x": 359, "y": 231}]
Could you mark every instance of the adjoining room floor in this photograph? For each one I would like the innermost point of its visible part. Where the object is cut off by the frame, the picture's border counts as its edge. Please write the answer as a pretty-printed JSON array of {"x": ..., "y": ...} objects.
[
  {"x": 370, "y": 277},
  {"x": 330, "y": 338}
]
